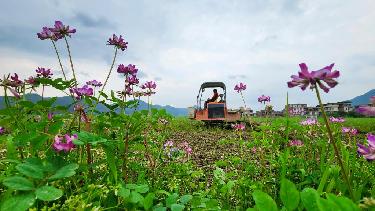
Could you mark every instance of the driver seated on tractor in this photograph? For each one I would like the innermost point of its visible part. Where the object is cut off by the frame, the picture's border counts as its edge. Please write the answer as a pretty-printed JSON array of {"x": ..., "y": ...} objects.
[{"x": 213, "y": 98}]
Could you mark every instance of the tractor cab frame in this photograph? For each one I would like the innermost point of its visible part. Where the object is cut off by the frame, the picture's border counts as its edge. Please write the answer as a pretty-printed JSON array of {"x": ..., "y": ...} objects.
[{"x": 215, "y": 111}]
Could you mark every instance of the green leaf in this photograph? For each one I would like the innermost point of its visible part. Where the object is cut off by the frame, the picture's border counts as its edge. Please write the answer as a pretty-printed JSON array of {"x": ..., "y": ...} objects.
[
  {"x": 172, "y": 199},
  {"x": 309, "y": 199},
  {"x": 66, "y": 171},
  {"x": 148, "y": 201},
  {"x": 263, "y": 201},
  {"x": 326, "y": 205},
  {"x": 185, "y": 199},
  {"x": 135, "y": 197},
  {"x": 48, "y": 193},
  {"x": 30, "y": 170},
  {"x": 343, "y": 203},
  {"x": 289, "y": 194},
  {"x": 159, "y": 209},
  {"x": 18, "y": 183},
  {"x": 18, "y": 202},
  {"x": 124, "y": 192},
  {"x": 177, "y": 207},
  {"x": 131, "y": 186},
  {"x": 142, "y": 188}
]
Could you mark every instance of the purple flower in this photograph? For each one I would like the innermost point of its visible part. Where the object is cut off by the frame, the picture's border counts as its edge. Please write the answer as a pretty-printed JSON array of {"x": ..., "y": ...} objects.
[
  {"x": 83, "y": 91},
  {"x": 15, "y": 81},
  {"x": 67, "y": 145},
  {"x": 94, "y": 83},
  {"x": 149, "y": 85},
  {"x": 118, "y": 42},
  {"x": 2, "y": 130},
  {"x": 309, "y": 122},
  {"x": 264, "y": 99},
  {"x": 60, "y": 30},
  {"x": 336, "y": 120},
  {"x": 50, "y": 116},
  {"x": 368, "y": 152},
  {"x": 132, "y": 80},
  {"x": 127, "y": 70},
  {"x": 239, "y": 127},
  {"x": 46, "y": 33},
  {"x": 240, "y": 87},
  {"x": 306, "y": 78},
  {"x": 296, "y": 143},
  {"x": 43, "y": 72},
  {"x": 366, "y": 110}
]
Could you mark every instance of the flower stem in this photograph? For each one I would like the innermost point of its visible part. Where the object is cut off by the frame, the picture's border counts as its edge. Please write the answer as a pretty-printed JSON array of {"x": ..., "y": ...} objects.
[
  {"x": 330, "y": 136},
  {"x": 58, "y": 57},
  {"x": 110, "y": 70},
  {"x": 71, "y": 62},
  {"x": 43, "y": 92},
  {"x": 243, "y": 99}
]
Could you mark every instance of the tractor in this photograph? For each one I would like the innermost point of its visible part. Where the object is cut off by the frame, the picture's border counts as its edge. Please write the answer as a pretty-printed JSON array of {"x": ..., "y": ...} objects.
[{"x": 215, "y": 112}]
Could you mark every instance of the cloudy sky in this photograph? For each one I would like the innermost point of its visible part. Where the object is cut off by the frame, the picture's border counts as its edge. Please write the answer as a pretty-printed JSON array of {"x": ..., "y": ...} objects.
[{"x": 181, "y": 44}]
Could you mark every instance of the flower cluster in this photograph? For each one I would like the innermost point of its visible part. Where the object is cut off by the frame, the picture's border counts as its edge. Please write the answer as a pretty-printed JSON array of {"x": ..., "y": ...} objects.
[
  {"x": 296, "y": 143},
  {"x": 336, "y": 120},
  {"x": 170, "y": 150},
  {"x": 127, "y": 70},
  {"x": 305, "y": 78},
  {"x": 83, "y": 91},
  {"x": 309, "y": 122},
  {"x": 264, "y": 99},
  {"x": 240, "y": 87},
  {"x": 149, "y": 85},
  {"x": 43, "y": 72},
  {"x": 94, "y": 83},
  {"x": 2, "y": 130},
  {"x": 118, "y": 42},
  {"x": 238, "y": 126},
  {"x": 369, "y": 151},
  {"x": 350, "y": 131},
  {"x": 187, "y": 149},
  {"x": 60, "y": 145},
  {"x": 59, "y": 31}
]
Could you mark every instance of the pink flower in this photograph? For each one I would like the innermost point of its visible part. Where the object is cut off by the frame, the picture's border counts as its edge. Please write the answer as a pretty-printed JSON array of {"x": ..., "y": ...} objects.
[
  {"x": 367, "y": 110},
  {"x": 296, "y": 143},
  {"x": 306, "y": 78},
  {"x": 132, "y": 80},
  {"x": 368, "y": 152},
  {"x": 254, "y": 150},
  {"x": 2, "y": 130},
  {"x": 240, "y": 87},
  {"x": 118, "y": 42},
  {"x": 185, "y": 146},
  {"x": 67, "y": 145},
  {"x": 31, "y": 80},
  {"x": 239, "y": 127},
  {"x": 336, "y": 120},
  {"x": 350, "y": 131},
  {"x": 149, "y": 85},
  {"x": 15, "y": 81},
  {"x": 169, "y": 144},
  {"x": 264, "y": 99},
  {"x": 309, "y": 122}
]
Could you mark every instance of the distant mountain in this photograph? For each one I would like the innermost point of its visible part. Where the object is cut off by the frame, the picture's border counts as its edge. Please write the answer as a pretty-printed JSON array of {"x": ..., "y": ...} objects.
[
  {"x": 66, "y": 101},
  {"x": 363, "y": 99}
]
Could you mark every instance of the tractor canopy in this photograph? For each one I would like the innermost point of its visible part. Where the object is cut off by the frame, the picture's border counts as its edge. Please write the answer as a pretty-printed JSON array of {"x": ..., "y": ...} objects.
[
  {"x": 213, "y": 85},
  {"x": 210, "y": 85}
]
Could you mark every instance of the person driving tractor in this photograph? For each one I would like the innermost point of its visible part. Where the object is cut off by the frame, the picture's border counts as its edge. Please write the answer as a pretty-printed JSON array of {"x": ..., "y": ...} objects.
[{"x": 213, "y": 98}]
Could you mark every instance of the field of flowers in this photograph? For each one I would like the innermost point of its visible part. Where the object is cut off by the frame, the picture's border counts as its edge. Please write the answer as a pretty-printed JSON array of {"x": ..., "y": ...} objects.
[{"x": 74, "y": 157}]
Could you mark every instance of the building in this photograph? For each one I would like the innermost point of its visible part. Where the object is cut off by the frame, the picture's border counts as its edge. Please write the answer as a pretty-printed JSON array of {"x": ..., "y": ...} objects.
[
  {"x": 344, "y": 107},
  {"x": 297, "y": 109}
]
